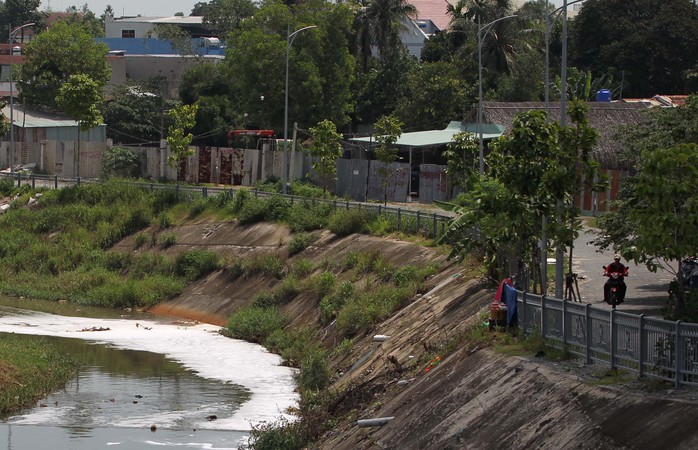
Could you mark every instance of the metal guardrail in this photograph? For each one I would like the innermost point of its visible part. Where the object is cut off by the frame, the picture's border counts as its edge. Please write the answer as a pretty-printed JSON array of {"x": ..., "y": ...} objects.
[
  {"x": 653, "y": 348},
  {"x": 406, "y": 219}
]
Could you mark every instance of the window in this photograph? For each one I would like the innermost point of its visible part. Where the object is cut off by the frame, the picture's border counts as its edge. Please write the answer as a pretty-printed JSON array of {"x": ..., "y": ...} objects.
[{"x": 128, "y": 34}]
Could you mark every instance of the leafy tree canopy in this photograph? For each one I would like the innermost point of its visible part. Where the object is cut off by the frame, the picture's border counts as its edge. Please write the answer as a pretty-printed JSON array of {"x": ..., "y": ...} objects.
[
  {"x": 320, "y": 66},
  {"x": 134, "y": 113},
  {"x": 226, "y": 15},
  {"x": 56, "y": 54},
  {"x": 178, "y": 135},
  {"x": 80, "y": 97},
  {"x": 652, "y": 43},
  {"x": 326, "y": 148},
  {"x": 532, "y": 169}
]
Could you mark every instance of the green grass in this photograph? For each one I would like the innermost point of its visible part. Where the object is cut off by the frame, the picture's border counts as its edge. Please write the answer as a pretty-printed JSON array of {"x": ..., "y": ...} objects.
[{"x": 30, "y": 368}]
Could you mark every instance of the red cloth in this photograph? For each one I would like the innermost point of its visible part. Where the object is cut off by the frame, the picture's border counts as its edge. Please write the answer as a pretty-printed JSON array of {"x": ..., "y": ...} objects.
[{"x": 500, "y": 289}]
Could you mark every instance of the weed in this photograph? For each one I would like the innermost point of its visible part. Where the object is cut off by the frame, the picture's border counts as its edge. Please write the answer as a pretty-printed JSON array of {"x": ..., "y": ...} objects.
[
  {"x": 300, "y": 242},
  {"x": 344, "y": 223},
  {"x": 255, "y": 324},
  {"x": 194, "y": 264},
  {"x": 165, "y": 220},
  {"x": 168, "y": 239},
  {"x": 141, "y": 239},
  {"x": 301, "y": 268}
]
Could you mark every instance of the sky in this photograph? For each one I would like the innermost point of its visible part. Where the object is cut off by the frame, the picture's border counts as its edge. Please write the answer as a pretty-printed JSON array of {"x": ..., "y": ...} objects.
[
  {"x": 126, "y": 7},
  {"x": 135, "y": 7}
]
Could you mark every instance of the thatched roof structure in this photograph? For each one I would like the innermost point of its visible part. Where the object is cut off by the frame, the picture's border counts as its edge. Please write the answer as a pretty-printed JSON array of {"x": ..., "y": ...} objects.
[{"x": 604, "y": 117}]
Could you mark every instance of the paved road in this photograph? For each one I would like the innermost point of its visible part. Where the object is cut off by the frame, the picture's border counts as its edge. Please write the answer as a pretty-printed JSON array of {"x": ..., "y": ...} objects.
[{"x": 647, "y": 291}]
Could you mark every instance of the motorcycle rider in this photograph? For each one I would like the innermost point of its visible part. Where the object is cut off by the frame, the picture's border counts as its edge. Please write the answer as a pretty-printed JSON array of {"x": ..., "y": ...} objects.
[{"x": 615, "y": 267}]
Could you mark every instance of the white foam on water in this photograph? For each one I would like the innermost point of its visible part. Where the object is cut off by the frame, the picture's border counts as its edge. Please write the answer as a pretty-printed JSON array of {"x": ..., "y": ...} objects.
[{"x": 199, "y": 348}]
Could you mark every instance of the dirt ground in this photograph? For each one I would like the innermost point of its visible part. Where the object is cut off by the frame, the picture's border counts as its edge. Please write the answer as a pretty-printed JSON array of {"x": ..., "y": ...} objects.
[{"x": 432, "y": 393}]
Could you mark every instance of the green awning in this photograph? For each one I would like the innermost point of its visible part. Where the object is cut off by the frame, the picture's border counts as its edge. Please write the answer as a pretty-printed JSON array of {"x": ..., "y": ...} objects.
[{"x": 431, "y": 138}]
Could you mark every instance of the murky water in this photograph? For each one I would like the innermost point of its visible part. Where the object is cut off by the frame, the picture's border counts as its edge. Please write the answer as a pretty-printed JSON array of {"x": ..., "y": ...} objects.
[{"x": 197, "y": 388}]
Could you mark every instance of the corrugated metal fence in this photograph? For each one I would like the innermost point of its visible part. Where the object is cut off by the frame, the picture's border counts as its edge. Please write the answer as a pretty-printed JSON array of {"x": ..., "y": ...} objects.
[{"x": 653, "y": 348}]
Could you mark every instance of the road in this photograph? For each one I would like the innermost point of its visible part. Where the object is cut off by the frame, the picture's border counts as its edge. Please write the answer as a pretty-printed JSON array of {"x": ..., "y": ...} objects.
[{"x": 647, "y": 291}]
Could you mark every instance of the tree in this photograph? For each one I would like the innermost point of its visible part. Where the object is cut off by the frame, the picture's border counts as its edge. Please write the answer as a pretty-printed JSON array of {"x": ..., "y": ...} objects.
[
  {"x": 56, "y": 54},
  {"x": 134, "y": 114},
  {"x": 532, "y": 169},
  {"x": 433, "y": 95},
  {"x": 462, "y": 160},
  {"x": 664, "y": 128},
  {"x": 388, "y": 130},
  {"x": 660, "y": 215},
  {"x": 178, "y": 139},
  {"x": 19, "y": 12},
  {"x": 4, "y": 122},
  {"x": 650, "y": 44},
  {"x": 378, "y": 92},
  {"x": 320, "y": 66},
  {"x": 383, "y": 22},
  {"x": 120, "y": 162},
  {"x": 93, "y": 24},
  {"x": 326, "y": 148},
  {"x": 226, "y": 15},
  {"x": 80, "y": 97},
  {"x": 673, "y": 134}
]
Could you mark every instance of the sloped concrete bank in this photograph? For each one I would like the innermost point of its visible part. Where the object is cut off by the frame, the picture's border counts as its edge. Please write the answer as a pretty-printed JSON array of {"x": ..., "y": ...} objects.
[
  {"x": 482, "y": 400},
  {"x": 471, "y": 397}
]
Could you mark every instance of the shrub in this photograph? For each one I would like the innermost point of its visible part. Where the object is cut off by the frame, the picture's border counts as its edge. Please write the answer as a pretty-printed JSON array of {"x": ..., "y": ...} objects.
[
  {"x": 168, "y": 239},
  {"x": 197, "y": 207},
  {"x": 321, "y": 285},
  {"x": 332, "y": 304},
  {"x": 239, "y": 200},
  {"x": 301, "y": 268},
  {"x": 300, "y": 242},
  {"x": 234, "y": 269},
  {"x": 255, "y": 324},
  {"x": 252, "y": 211},
  {"x": 276, "y": 208},
  {"x": 314, "y": 372},
  {"x": 281, "y": 435},
  {"x": 305, "y": 189},
  {"x": 116, "y": 261},
  {"x": 141, "y": 239},
  {"x": 305, "y": 216},
  {"x": 344, "y": 223},
  {"x": 164, "y": 199},
  {"x": 370, "y": 308},
  {"x": 7, "y": 186},
  {"x": 380, "y": 226},
  {"x": 165, "y": 220},
  {"x": 194, "y": 264},
  {"x": 267, "y": 264},
  {"x": 119, "y": 162}
]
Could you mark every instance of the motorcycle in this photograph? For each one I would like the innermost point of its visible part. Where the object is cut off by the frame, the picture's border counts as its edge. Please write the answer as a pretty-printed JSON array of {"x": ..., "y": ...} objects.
[{"x": 615, "y": 296}]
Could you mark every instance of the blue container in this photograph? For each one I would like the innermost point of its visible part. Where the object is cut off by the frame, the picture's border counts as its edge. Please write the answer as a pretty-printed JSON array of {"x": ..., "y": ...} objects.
[{"x": 603, "y": 95}]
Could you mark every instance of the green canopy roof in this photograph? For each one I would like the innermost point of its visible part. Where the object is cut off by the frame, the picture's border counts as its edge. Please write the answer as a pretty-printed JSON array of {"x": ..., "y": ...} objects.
[{"x": 441, "y": 137}]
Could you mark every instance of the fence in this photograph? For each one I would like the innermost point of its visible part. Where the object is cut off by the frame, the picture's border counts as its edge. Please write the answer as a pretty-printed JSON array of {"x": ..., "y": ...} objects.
[
  {"x": 411, "y": 220},
  {"x": 653, "y": 348}
]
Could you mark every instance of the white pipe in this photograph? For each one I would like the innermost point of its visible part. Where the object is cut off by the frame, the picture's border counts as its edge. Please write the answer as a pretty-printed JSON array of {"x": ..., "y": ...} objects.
[{"x": 378, "y": 422}]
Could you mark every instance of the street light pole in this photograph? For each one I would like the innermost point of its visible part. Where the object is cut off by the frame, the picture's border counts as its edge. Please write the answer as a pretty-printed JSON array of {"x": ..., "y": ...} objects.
[
  {"x": 289, "y": 40},
  {"x": 481, "y": 32},
  {"x": 12, "y": 122}
]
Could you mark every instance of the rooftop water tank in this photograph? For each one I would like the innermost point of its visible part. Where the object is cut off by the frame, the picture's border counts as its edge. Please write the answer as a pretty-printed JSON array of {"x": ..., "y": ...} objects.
[{"x": 603, "y": 95}]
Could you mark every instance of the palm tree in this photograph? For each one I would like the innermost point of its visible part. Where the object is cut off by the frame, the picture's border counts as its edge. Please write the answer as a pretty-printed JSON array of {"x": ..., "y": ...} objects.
[
  {"x": 500, "y": 44},
  {"x": 378, "y": 23}
]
